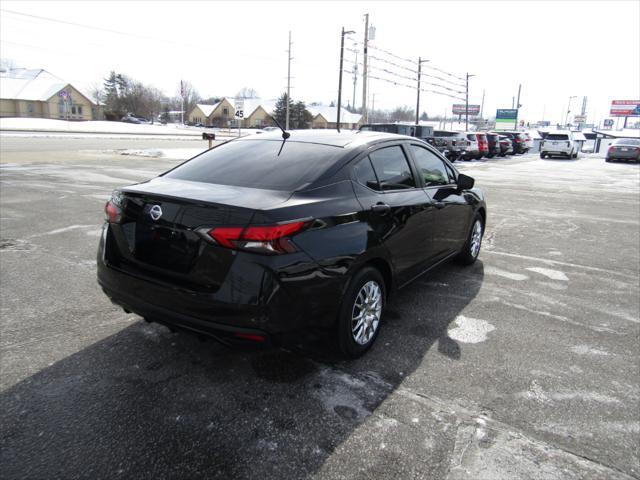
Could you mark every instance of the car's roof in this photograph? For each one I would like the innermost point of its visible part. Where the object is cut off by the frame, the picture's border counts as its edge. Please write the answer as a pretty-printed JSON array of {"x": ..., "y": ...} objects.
[{"x": 344, "y": 139}]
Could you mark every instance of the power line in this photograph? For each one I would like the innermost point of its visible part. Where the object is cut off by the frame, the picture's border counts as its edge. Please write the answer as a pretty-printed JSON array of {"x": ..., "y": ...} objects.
[
  {"x": 118, "y": 32},
  {"x": 412, "y": 79},
  {"x": 400, "y": 84}
]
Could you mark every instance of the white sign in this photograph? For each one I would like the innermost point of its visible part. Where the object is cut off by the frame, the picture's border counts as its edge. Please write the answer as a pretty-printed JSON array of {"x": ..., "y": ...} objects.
[{"x": 239, "y": 106}]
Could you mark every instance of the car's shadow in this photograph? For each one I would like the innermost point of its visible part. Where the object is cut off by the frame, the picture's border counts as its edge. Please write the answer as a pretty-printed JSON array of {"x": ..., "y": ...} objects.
[{"x": 146, "y": 403}]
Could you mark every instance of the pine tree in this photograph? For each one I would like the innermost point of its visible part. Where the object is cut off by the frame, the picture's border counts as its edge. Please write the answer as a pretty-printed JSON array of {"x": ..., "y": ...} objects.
[
  {"x": 280, "y": 110},
  {"x": 300, "y": 115},
  {"x": 424, "y": 116}
]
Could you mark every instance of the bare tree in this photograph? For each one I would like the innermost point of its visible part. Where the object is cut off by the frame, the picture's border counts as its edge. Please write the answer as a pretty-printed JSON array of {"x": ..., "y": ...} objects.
[
  {"x": 247, "y": 92},
  {"x": 96, "y": 92},
  {"x": 190, "y": 96},
  {"x": 7, "y": 64}
]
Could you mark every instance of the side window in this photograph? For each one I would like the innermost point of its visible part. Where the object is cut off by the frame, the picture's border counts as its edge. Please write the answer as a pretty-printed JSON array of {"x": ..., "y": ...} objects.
[
  {"x": 432, "y": 169},
  {"x": 363, "y": 171},
  {"x": 392, "y": 168}
]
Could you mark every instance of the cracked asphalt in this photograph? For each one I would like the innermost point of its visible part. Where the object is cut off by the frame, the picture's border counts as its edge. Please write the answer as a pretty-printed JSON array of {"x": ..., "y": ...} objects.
[{"x": 524, "y": 366}]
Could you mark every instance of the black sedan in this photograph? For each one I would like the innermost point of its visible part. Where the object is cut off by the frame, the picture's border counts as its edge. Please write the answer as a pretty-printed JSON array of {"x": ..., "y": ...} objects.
[{"x": 265, "y": 239}]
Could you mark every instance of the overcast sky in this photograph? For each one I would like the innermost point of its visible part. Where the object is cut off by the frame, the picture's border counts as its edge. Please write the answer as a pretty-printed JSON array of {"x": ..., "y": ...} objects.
[{"x": 554, "y": 49}]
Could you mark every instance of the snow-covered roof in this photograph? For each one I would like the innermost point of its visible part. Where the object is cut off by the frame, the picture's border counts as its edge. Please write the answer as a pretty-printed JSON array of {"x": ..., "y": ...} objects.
[
  {"x": 330, "y": 114},
  {"x": 579, "y": 136},
  {"x": 207, "y": 109},
  {"x": 252, "y": 104},
  {"x": 34, "y": 85},
  {"x": 624, "y": 133}
]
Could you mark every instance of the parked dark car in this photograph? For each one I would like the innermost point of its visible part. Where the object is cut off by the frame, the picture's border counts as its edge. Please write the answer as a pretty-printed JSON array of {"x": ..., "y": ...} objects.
[
  {"x": 263, "y": 240},
  {"x": 627, "y": 149},
  {"x": 506, "y": 146},
  {"x": 518, "y": 141},
  {"x": 493, "y": 140}
]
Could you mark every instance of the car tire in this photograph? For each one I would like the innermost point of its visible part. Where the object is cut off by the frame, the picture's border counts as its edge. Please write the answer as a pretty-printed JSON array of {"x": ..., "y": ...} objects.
[
  {"x": 471, "y": 250},
  {"x": 364, "y": 282},
  {"x": 543, "y": 155},
  {"x": 608, "y": 160}
]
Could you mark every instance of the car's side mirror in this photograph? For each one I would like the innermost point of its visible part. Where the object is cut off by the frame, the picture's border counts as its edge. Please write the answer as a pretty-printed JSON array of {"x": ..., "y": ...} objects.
[{"x": 465, "y": 182}]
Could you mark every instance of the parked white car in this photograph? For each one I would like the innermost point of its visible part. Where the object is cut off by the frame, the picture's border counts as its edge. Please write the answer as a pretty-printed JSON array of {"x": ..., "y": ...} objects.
[{"x": 561, "y": 143}]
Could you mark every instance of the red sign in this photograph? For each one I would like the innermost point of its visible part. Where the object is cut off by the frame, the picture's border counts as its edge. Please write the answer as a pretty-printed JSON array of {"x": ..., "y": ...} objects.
[
  {"x": 625, "y": 108},
  {"x": 460, "y": 109}
]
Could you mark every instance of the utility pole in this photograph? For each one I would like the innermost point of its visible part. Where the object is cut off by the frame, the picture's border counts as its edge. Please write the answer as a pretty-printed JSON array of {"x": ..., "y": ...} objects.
[
  {"x": 365, "y": 116},
  {"x": 420, "y": 62},
  {"x": 288, "y": 83},
  {"x": 482, "y": 104},
  {"x": 466, "y": 103},
  {"x": 518, "y": 105},
  {"x": 373, "y": 103},
  {"x": 355, "y": 81}
]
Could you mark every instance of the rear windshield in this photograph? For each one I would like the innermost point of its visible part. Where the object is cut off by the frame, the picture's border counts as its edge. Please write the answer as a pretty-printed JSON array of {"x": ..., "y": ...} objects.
[
  {"x": 482, "y": 137},
  {"x": 471, "y": 136},
  {"x": 259, "y": 164},
  {"x": 440, "y": 133},
  {"x": 627, "y": 141},
  {"x": 492, "y": 137},
  {"x": 557, "y": 136}
]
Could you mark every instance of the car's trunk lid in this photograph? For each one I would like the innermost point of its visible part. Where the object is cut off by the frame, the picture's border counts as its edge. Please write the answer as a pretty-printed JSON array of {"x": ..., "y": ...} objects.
[{"x": 164, "y": 225}]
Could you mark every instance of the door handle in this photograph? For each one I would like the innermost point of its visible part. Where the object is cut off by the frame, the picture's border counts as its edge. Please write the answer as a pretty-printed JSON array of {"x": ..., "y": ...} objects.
[
  {"x": 439, "y": 205},
  {"x": 380, "y": 208}
]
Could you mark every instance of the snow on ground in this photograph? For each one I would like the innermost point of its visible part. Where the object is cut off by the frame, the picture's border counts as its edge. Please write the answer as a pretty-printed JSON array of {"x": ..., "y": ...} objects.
[
  {"x": 586, "y": 174},
  {"x": 51, "y": 125}
]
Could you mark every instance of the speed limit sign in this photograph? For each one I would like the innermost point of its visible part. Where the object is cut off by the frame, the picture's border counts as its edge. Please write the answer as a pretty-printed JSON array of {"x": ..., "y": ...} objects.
[{"x": 239, "y": 107}]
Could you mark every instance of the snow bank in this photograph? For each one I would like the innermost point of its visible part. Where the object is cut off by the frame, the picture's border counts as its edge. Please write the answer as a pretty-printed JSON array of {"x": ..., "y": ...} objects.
[{"x": 169, "y": 153}]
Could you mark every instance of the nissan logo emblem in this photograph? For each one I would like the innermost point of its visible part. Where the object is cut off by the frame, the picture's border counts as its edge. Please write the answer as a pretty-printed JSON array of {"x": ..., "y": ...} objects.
[{"x": 155, "y": 212}]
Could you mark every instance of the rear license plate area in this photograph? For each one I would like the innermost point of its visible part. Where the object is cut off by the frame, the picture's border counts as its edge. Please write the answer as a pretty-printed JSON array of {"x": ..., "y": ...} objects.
[{"x": 164, "y": 247}]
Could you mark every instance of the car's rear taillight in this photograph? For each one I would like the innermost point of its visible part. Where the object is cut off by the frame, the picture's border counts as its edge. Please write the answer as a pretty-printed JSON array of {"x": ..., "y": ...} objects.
[
  {"x": 113, "y": 208},
  {"x": 468, "y": 143},
  {"x": 568, "y": 144},
  {"x": 270, "y": 239},
  {"x": 611, "y": 149},
  {"x": 252, "y": 337}
]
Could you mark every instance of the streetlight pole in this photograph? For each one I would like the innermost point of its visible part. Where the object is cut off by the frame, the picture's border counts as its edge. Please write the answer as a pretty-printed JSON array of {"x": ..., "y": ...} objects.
[
  {"x": 340, "y": 76},
  {"x": 420, "y": 62},
  {"x": 466, "y": 103}
]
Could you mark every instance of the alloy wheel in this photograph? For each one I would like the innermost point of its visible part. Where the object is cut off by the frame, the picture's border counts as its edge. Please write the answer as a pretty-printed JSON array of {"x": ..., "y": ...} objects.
[
  {"x": 365, "y": 316},
  {"x": 476, "y": 238}
]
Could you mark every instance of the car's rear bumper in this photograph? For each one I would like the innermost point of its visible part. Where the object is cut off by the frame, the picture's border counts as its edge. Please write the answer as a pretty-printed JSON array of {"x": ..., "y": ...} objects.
[
  {"x": 274, "y": 298},
  {"x": 227, "y": 333},
  {"x": 556, "y": 152},
  {"x": 624, "y": 156}
]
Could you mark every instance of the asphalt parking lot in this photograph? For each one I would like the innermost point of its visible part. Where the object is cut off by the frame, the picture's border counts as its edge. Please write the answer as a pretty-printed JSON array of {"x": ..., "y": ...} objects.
[{"x": 526, "y": 365}]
